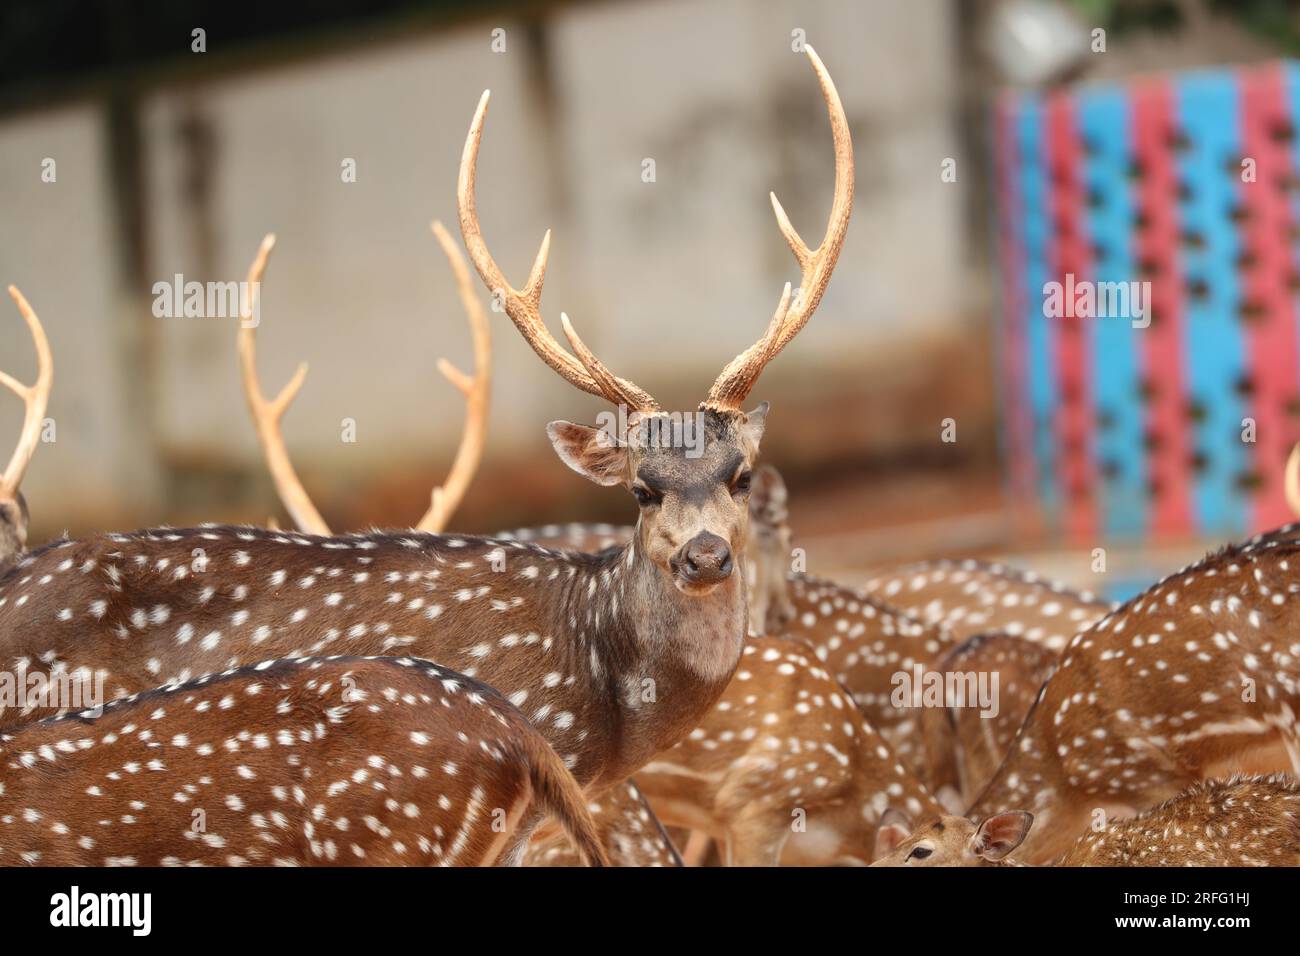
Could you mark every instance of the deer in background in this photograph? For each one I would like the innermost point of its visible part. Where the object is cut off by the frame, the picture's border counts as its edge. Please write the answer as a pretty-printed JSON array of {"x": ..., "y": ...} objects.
[
  {"x": 965, "y": 747},
  {"x": 769, "y": 554},
  {"x": 309, "y": 762},
  {"x": 866, "y": 645},
  {"x": 36, "y": 397},
  {"x": 627, "y": 829},
  {"x": 973, "y": 597},
  {"x": 1242, "y": 821},
  {"x": 613, "y": 657},
  {"x": 1197, "y": 677},
  {"x": 783, "y": 768}
]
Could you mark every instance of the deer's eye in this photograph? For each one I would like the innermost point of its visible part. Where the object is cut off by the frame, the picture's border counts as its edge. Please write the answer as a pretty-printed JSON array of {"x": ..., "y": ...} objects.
[
  {"x": 919, "y": 853},
  {"x": 741, "y": 485},
  {"x": 644, "y": 496}
]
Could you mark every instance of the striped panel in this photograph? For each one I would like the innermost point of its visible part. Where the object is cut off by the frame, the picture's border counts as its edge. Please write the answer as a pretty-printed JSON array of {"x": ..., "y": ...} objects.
[
  {"x": 1071, "y": 265},
  {"x": 1017, "y": 416},
  {"x": 1039, "y": 333},
  {"x": 1209, "y": 121},
  {"x": 1104, "y": 120},
  {"x": 1265, "y": 271},
  {"x": 1162, "y": 346}
]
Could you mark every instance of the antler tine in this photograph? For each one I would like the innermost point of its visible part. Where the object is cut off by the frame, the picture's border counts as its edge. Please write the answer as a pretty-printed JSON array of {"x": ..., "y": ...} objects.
[
  {"x": 446, "y": 498},
  {"x": 816, "y": 265},
  {"x": 36, "y": 397},
  {"x": 267, "y": 414},
  {"x": 1292, "y": 479},
  {"x": 523, "y": 306},
  {"x": 733, "y": 385},
  {"x": 610, "y": 384}
]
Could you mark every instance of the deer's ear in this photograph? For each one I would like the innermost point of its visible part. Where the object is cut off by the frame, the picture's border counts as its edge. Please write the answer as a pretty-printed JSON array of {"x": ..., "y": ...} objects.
[
  {"x": 999, "y": 835},
  {"x": 13, "y": 514},
  {"x": 893, "y": 829},
  {"x": 754, "y": 424},
  {"x": 591, "y": 452}
]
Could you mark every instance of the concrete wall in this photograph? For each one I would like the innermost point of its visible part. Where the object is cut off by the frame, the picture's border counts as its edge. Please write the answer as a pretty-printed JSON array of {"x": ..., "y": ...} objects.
[{"x": 666, "y": 280}]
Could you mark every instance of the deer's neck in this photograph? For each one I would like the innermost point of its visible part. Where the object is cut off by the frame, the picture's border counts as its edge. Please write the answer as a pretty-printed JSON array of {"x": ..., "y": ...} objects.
[{"x": 659, "y": 656}]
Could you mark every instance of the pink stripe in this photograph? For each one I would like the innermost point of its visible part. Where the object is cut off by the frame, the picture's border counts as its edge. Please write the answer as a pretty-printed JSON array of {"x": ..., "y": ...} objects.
[
  {"x": 1162, "y": 343},
  {"x": 1271, "y": 337},
  {"x": 1076, "y": 471}
]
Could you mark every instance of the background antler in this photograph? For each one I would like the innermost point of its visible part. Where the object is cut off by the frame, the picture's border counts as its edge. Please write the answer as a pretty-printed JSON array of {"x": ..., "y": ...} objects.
[
  {"x": 446, "y": 498},
  {"x": 267, "y": 414},
  {"x": 736, "y": 380},
  {"x": 35, "y": 396},
  {"x": 524, "y": 306}
]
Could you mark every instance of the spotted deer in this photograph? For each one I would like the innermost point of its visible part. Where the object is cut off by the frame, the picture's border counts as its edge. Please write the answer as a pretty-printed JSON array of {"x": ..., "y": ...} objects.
[
  {"x": 574, "y": 535},
  {"x": 783, "y": 768},
  {"x": 963, "y": 745},
  {"x": 1198, "y": 677},
  {"x": 869, "y": 648},
  {"x": 952, "y": 840},
  {"x": 862, "y": 641},
  {"x": 973, "y": 597},
  {"x": 769, "y": 555},
  {"x": 614, "y": 657},
  {"x": 1241, "y": 821},
  {"x": 36, "y": 397},
  {"x": 627, "y": 828},
  {"x": 306, "y": 762}
]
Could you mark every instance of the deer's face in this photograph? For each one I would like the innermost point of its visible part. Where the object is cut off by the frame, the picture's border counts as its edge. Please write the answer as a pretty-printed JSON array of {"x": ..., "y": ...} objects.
[
  {"x": 13, "y": 526},
  {"x": 949, "y": 840},
  {"x": 690, "y": 476}
]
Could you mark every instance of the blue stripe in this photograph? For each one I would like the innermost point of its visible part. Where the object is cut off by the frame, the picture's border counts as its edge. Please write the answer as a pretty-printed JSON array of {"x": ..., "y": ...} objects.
[
  {"x": 1040, "y": 364},
  {"x": 1207, "y": 112},
  {"x": 1104, "y": 119}
]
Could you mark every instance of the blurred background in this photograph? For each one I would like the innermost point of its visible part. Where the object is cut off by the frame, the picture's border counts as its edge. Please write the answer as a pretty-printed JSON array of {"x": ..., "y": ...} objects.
[{"x": 646, "y": 134}]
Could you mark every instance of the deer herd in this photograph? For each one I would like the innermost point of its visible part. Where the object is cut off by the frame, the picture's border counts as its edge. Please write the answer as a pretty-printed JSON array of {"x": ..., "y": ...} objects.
[{"x": 601, "y": 695}]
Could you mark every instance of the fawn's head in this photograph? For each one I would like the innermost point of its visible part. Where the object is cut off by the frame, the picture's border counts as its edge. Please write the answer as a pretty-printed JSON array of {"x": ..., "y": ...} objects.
[
  {"x": 949, "y": 840},
  {"x": 690, "y": 474},
  {"x": 13, "y": 507}
]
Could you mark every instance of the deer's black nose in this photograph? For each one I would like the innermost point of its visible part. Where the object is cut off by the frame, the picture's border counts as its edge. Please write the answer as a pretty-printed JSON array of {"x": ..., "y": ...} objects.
[{"x": 705, "y": 559}]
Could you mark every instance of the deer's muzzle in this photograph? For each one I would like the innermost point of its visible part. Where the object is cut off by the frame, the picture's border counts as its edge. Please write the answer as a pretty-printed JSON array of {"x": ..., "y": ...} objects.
[{"x": 704, "y": 560}]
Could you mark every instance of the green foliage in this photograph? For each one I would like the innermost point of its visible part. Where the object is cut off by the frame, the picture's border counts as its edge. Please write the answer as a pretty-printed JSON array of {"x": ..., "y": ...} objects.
[{"x": 1277, "y": 21}]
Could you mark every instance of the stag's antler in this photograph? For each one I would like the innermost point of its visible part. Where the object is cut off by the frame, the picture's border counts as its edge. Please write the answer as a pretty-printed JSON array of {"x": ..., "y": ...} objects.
[
  {"x": 267, "y": 414},
  {"x": 736, "y": 380},
  {"x": 446, "y": 499},
  {"x": 523, "y": 306},
  {"x": 35, "y": 397}
]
